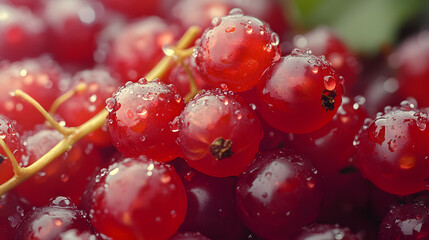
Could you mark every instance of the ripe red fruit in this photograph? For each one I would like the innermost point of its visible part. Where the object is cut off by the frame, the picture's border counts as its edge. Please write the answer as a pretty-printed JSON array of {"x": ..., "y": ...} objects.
[
  {"x": 300, "y": 93},
  {"x": 137, "y": 198},
  {"x": 323, "y": 231},
  {"x": 392, "y": 150},
  {"x": 23, "y": 34},
  {"x": 65, "y": 176},
  {"x": 137, "y": 48},
  {"x": 236, "y": 50},
  {"x": 84, "y": 105},
  {"x": 278, "y": 194},
  {"x": 12, "y": 211},
  {"x": 140, "y": 119},
  {"x": 60, "y": 220},
  {"x": 218, "y": 134},
  {"x": 12, "y": 140},
  {"x": 412, "y": 63},
  {"x": 37, "y": 77},
  {"x": 323, "y": 41}
]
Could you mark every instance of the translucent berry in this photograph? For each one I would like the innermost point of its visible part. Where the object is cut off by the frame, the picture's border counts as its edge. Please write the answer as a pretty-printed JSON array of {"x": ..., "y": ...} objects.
[
  {"x": 300, "y": 93},
  {"x": 236, "y": 50},
  {"x": 278, "y": 194},
  {"x": 392, "y": 150},
  {"x": 219, "y": 134},
  {"x": 141, "y": 119},
  {"x": 137, "y": 198}
]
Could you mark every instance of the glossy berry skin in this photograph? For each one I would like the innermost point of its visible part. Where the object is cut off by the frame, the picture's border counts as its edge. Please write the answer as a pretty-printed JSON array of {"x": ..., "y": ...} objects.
[
  {"x": 330, "y": 148},
  {"x": 299, "y": 93},
  {"x": 60, "y": 220},
  {"x": 392, "y": 150},
  {"x": 73, "y": 27},
  {"x": 16, "y": 29},
  {"x": 406, "y": 222},
  {"x": 411, "y": 61},
  {"x": 38, "y": 78},
  {"x": 137, "y": 198},
  {"x": 13, "y": 141},
  {"x": 211, "y": 204},
  {"x": 278, "y": 194},
  {"x": 137, "y": 48},
  {"x": 65, "y": 176},
  {"x": 140, "y": 119},
  {"x": 322, "y": 232},
  {"x": 218, "y": 133},
  {"x": 236, "y": 50},
  {"x": 323, "y": 41},
  {"x": 12, "y": 212},
  {"x": 84, "y": 105}
]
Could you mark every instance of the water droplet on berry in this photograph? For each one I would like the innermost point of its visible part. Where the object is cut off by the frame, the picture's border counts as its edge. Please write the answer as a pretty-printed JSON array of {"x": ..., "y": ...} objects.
[
  {"x": 248, "y": 28},
  {"x": 142, "y": 81},
  {"x": 165, "y": 178},
  {"x": 141, "y": 111},
  {"x": 178, "y": 98},
  {"x": 236, "y": 12},
  {"x": 110, "y": 104},
  {"x": 93, "y": 98},
  {"x": 216, "y": 21},
  {"x": 65, "y": 177},
  {"x": 174, "y": 125},
  {"x": 61, "y": 202},
  {"x": 311, "y": 182},
  {"x": 329, "y": 82},
  {"x": 275, "y": 40},
  {"x": 407, "y": 105},
  {"x": 393, "y": 145},
  {"x": 314, "y": 69},
  {"x": 168, "y": 50},
  {"x": 239, "y": 114},
  {"x": 268, "y": 47}
]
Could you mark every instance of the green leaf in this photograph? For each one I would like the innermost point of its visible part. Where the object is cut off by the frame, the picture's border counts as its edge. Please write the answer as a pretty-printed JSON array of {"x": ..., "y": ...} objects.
[{"x": 365, "y": 25}]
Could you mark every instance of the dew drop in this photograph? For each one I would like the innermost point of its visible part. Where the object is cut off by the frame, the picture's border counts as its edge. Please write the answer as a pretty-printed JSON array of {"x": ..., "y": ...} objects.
[
  {"x": 65, "y": 178},
  {"x": 248, "y": 28},
  {"x": 236, "y": 12},
  {"x": 168, "y": 50},
  {"x": 178, "y": 98},
  {"x": 216, "y": 21},
  {"x": 174, "y": 125},
  {"x": 141, "y": 111},
  {"x": 311, "y": 182},
  {"x": 239, "y": 114},
  {"x": 268, "y": 47},
  {"x": 329, "y": 82},
  {"x": 275, "y": 40},
  {"x": 110, "y": 104},
  {"x": 314, "y": 69},
  {"x": 393, "y": 145}
]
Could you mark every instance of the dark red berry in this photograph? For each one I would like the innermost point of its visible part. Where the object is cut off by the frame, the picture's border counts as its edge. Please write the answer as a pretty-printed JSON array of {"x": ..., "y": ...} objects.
[
  {"x": 278, "y": 194},
  {"x": 322, "y": 232},
  {"x": 141, "y": 119},
  {"x": 12, "y": 212},
  {"x": 218, "y": 134},
  {"x": 137, "y": 198},
  {"x": 392, "y": 150},
  {"x": 236, "y": 50},
  {"x": 300, "y": 93}
]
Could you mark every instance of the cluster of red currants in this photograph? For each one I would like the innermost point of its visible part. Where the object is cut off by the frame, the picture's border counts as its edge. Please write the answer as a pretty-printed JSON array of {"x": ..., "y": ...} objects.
[{"x": 246, "y": 136}]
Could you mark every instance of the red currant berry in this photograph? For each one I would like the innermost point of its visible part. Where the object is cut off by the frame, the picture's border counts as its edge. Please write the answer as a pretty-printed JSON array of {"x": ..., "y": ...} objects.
[
  {"x": 137, "y": 198},
  {"x": 12, "y": 212},
  {"x": 218, "y": 134},
  {"x": 140, "y": 119},
  {"x": 73, "y": 29},
  {"x": 300, "y": 93},
  {"x": 137, "y": 48},
  {"x": 211, "y": 204},
  {"x": 58, "y": 221},
  {"x": 392, "y": 150},
  {"x": 65, "y": 176},
  {"x": 22, "y": 33},
  {"x": 12, "y": 140},
  {"x": 38, "y": 78},
  {"x": 236, "y": 50},
  {"x": 406, "y": 222},
  {"x": 180, "y": 77},
  {"x": 412, "y": 63},
  {"x": 323, "y": 41},
  {"x": 278, "y": 194},
  {"x": 86, "y": 104}
]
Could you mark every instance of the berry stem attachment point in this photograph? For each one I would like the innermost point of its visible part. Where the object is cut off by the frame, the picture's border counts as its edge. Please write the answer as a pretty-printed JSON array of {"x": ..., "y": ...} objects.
[
  {"x": 81, "y": 87},
  {"x": 63, "y": 130},
  {"x": 16, "y": 168}
]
